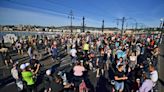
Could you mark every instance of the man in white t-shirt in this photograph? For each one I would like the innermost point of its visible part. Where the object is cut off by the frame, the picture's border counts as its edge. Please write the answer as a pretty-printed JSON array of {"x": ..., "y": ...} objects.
[
  {"x": 30, "y": 52},
  {"x": 153, "y": 74},
  {"x": 73, "y": 52},
  {"x": 148, "y": 40}
]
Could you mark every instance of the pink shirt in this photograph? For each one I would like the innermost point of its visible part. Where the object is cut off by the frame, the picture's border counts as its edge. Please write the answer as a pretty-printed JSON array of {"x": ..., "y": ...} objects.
[{"x": 78, "y": 70}]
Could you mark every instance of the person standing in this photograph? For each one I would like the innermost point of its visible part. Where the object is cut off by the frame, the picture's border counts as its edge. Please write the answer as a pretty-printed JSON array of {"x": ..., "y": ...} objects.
[
  {"x": 19, "y": 48},
  {"x": 78, "y": 74},
  {"x": 27, "y": 77},
  {"x": 133, "y": 60},
  {"x": 120, "y": 78},
  {"x": 153, "y": 76},
  {"x": 15, "y": 75},
  {"x": 73, "y": 53},
  {"x": 100, "y": 63},
  {"x": 35, "y": 66},
  {"x": 7, "y": 59},
  {"x": 54, "y": 50},
  {"x": 147, "y": 85},
  {"x": 48, "y": 80},
  {"x": 86, "y": 47},
  {"x": 30, "y": 51},
  {"x": 14, "y": 72}
]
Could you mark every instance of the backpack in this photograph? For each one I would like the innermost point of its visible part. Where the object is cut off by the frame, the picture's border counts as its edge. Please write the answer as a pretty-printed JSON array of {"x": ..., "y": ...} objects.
[{"x": 83, "y": 87}]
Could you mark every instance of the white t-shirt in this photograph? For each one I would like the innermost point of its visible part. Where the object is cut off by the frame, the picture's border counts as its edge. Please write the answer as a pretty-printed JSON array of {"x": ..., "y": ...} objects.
[
  {"x": 109, "y": 53},
  {"x": 14, "y": 73},
  {"x": 113, "y": 38},
  {"x": 133, "y": 58},
  {"x": 73, "y": 52},
  {"x": 148, "y": 39},
  {"x": 154, "y": 76},
  {"x": 29, "y": 51}
]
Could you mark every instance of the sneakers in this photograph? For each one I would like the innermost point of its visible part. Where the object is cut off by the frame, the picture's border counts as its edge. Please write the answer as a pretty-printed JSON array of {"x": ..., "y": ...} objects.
[{"x": 97, "y": 76}]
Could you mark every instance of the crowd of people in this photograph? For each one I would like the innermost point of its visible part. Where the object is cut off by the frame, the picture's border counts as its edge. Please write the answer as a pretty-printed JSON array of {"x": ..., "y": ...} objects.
[{"x": 129, "y": 61}]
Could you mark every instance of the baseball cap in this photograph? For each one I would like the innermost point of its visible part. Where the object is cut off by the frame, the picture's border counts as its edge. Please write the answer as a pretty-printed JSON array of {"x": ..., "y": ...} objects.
[
  {"x": 81, "y": 61},
  {"x": 137, "y": 79},
  {"x": 59, "y": 73},
  {"x": 155, "y": 46},
  {"x": 27, "y": 64},
  {"x": 48, "y": 72},
  {"x": 22, "y": 66}
]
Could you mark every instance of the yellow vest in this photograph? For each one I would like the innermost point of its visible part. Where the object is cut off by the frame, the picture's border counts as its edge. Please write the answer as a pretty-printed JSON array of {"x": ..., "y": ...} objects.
[
  {"x": 86, "y": 47},
  {"x": 28, "y": 77}
]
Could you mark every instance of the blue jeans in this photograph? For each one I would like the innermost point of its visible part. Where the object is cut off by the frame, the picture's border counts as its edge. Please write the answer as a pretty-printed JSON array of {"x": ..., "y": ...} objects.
[
  {"x": 55, "y": 57},
  {"x": 119, "y": 86}
]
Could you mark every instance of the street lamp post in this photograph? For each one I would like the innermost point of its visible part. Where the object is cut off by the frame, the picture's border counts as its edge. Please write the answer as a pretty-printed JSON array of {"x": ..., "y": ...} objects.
[
  {"x": 83, "y": 24},
  {"x": 71, "y": 18},
  {"x": 161, "y": 28},
  {"x": 102, "y": 26},
  {"x": 162, "y": 23},
  {"x": 122, "y": 28}
]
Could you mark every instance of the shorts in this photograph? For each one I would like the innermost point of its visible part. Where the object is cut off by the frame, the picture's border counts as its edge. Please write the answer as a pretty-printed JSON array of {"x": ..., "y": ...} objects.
[
  {"x": 77, "y": 80},
  {"x": 119, "y": 85},
  {"x": 101, "y": 65},
  {"x": 8, "y": 58}
]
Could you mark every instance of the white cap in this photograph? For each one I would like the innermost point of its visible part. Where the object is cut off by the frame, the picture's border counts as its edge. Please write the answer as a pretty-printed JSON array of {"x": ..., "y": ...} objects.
[
  {"x": 127, "y": 45},
  {"x": 138, "y": 79},
  {"x": 155, "y": 46},
  {"x": 48, "y": 72},
  {"x": 81, "y": 61},
  {"x": 22, "y": 66},
  {"x": 27, "y": 64},
  {"x": 59, "y": 73}
]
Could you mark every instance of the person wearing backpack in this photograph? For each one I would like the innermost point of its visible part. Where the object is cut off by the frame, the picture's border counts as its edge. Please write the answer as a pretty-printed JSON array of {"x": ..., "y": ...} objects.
[
  {"x": 15, "y": 75},
  {"x": 48, "y": 79},
  {"x": 27, "y": 77},
  {"x": 54, "y": 50},
  {"x": 83, "y": 87}
]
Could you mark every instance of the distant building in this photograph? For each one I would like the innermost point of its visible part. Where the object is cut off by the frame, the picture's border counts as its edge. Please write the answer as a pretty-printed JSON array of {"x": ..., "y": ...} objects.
[{"x": 65, "y": 29}]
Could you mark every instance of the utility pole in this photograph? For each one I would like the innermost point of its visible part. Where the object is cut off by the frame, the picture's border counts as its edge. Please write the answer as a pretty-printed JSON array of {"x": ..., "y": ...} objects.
[
  {"x": 122, "y": 28},
  {"x": 102, "y": 26},
  {"x": 83, "y": 24},
  {"x": 71, "y": 17},
  {"x": 123, "y": 19},
  {"x": 162, "y": 23},
  {"x": 117, "y": 22},
  {"x": 132, "y": 27},
  {"x": 136, "y": 26},
  {"x": 126, "y": 26}
]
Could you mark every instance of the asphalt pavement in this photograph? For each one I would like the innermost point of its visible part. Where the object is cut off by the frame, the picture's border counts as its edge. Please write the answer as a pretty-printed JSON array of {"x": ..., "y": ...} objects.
[
  {"x": 97, "y": 83},
  {"x": 161, "y": 67},
  {"x": 7, "y": 83}
]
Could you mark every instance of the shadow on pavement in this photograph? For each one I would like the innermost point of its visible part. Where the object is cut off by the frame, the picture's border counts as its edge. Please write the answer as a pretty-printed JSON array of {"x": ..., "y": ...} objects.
[
  {"x": 102, "y": 85},
  {"x": 5, "y": 81},
  {"x": 161, "y": 81},
  {"x": 161, "y": 55}
]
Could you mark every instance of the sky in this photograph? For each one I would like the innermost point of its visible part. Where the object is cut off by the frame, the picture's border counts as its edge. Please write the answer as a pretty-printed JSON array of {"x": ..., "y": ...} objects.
[{"x": 56, "y": 12}]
